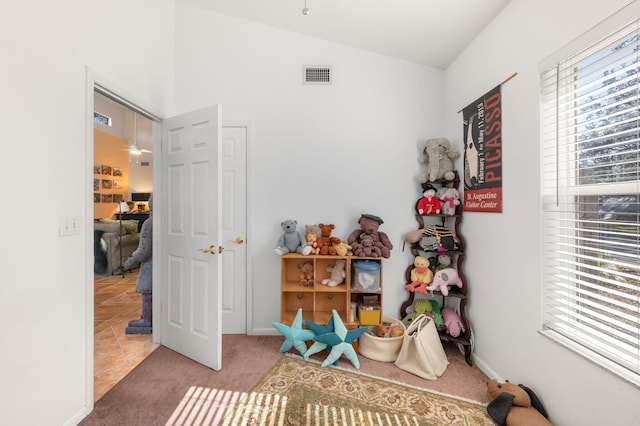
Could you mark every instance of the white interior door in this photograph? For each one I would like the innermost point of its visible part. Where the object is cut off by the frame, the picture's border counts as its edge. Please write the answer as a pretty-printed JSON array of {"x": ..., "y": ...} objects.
[
  {"x": 234, "y": 226},
  {"x": 191, "y": 221}
]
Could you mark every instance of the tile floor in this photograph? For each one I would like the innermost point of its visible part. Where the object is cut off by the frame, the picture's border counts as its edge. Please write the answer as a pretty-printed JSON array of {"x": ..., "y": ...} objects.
[{"x": 116, "y": 353}]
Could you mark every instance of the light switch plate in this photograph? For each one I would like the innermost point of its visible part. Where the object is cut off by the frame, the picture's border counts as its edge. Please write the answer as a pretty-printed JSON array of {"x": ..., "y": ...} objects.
[{"x": 69, "y": 225}]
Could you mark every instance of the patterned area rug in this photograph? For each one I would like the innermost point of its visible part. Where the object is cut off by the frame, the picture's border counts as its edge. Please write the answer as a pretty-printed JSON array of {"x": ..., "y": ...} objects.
[{"x": 297, "y": 392}]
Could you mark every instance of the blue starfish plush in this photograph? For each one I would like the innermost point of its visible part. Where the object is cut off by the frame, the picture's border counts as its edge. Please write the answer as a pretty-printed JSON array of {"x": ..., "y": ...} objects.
[
  {"x": 341, "y": 341},
  {"x": 319, "y": 330},
  {"x": 294, "y": 335}
]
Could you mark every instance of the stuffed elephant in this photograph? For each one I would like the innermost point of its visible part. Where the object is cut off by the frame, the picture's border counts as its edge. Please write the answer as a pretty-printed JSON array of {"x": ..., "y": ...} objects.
[
  {"x": 443, "y": 279},
  {"x": 437, "y": 157}
]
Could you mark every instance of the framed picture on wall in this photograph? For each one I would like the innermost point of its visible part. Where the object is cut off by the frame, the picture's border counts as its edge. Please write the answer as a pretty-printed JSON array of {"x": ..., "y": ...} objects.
[
  {"x": 97, "y": 169},
  {"x": 107, "y": 184},
  {"x": 96, "y": 197},
  {"x": 117, "y": 171},
  {"x": 96, "y": 184},
  {"x": 106, "y": 198},
  {"x": 118, "y": 197},
  {"x": 117, "y": 184},
  {"x": 106, "y": 170}
]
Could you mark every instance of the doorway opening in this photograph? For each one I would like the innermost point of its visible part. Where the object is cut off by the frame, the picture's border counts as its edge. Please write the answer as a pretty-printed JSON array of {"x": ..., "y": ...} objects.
[{"x": 123, "y": 173}]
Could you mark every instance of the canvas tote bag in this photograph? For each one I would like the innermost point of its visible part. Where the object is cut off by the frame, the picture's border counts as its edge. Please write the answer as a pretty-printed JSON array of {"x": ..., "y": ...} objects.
[{"x": 421, "y": 352}]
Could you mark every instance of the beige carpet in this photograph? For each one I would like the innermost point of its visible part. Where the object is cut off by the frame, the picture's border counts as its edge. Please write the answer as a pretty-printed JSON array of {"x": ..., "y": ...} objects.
[{"x": 297, "y": 392}]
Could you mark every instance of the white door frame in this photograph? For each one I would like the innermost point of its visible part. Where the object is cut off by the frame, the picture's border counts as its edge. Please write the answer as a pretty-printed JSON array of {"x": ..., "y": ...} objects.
[
  {"x": 94, "y": 79},
  {"x": 246, "y": 124}
]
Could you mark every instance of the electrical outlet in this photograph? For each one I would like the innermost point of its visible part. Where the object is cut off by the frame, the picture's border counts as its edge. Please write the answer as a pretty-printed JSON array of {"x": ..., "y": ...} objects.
[{"x": 69, "y": 225}]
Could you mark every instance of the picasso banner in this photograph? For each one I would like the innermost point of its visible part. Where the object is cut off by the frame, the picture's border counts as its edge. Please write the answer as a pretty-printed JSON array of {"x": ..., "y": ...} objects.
[{"x": 483, "y": 153}]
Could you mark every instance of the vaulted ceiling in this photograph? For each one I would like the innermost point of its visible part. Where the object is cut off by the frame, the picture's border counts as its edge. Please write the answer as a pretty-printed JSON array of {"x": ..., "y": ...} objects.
[{"x": 427, "y": 32}]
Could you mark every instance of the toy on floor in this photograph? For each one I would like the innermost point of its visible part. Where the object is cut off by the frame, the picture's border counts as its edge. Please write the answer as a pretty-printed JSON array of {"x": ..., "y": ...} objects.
[
  {"x": 421, "y": 275},
  {"x": 341, "y": 341},
  {"x": 294, "y": 335},
  {"x": 338, "y": 274},
  {"x": 452, "y": 322},
  {"x": 316, "y": 347},
  {"x": 443, "y": 279},
  {"x": 515, "y": 405},
  {"x": 292, "y": 240}
]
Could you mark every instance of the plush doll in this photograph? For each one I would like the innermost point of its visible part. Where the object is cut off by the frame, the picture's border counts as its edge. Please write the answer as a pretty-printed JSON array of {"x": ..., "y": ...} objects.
[
  {"x": 515, "y": 405},
  {"x": 369, "y": 225},
  {"x": 342, "y": 249},
  {"x": 450, "y": 198},
  {"x": 292, "y": 240},
  {"x": 443, "y": 279},
  {"x": 306, "y": 274},
  {"x": 429, "y": 203},
  {"x": 326, "y": 241},
  {"x": 436, "y": 159},
  {"x": 312, "y": 239},
  {"x": 338, "y": 274},
  {"x": 421, "y": 275},
  {"x": 452, "y": 322},
  {"x": 444, "y": 261}
]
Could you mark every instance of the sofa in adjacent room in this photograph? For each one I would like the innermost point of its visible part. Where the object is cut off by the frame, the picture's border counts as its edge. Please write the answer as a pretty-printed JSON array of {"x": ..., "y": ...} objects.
[{"x": 107, "y": 244}]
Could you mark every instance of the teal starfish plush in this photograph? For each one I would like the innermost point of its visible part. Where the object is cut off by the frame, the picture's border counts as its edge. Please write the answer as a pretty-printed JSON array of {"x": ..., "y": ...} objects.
[
  {"x": 341, "y": 341},
  {"x": 319, "y": 330},
  {"x": 294, "y": 335}
]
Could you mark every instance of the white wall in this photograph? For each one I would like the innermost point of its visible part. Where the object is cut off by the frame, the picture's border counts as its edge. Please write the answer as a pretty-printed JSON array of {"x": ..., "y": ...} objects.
[
  {"x": 43, "y": 284},
  {"x": 503, "y": 250},
  {"x": 320, "y": 154}
]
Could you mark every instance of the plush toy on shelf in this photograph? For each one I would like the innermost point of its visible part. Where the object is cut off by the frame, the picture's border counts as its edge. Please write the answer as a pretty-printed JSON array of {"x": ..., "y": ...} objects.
[
  {"x": 338, "y": 274},
  {"x": 292, "y": 240},
  {"x": 311, "y": 234},
  {"x": 326, "y": 241},
  {"x": 436, "y": 160},
  {"x": 306, "y": 274},
  {"x": 342, "y": 249},
  {"x": 421, "y": 275},
  {"x": 450, "y": 198},
  {"x": 429, "y": 203},
  {"x": 452, "y": 322},
  {"x": 367, "y": 247},
  {"x": 369, "y": 225},
  {"x": 443, "y": 279},
  {"x": 443, "y": 262},
  {"x": 515, "y": 405}
]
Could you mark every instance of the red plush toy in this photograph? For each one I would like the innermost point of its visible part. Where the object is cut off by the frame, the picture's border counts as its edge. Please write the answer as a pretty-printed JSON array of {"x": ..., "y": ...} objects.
[{"x": 429, "y": 204}]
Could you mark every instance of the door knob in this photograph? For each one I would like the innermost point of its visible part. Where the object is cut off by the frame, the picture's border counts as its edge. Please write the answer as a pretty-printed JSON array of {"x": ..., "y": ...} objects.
[
  {"x": 238, "y": 240},
  {"x": 211, "y": 249}
]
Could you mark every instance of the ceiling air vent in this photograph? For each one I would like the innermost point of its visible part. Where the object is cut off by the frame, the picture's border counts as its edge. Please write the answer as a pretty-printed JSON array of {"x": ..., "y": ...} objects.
[{"x": 317, "y": 74}]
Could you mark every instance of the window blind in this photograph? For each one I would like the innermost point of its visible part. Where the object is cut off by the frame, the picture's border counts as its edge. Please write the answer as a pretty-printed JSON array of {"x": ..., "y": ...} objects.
[{"x": 590, "y": 202}]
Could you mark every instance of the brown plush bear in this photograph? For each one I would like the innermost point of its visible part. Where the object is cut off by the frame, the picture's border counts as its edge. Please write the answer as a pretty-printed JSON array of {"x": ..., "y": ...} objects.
[
  {"x": 515, "y": 405},
  {"x": 306, "y": 274},
  {"x": 326, "y": 241},
  {"x": 369, "y": 225},
  {"x": 367, "y": 247}
]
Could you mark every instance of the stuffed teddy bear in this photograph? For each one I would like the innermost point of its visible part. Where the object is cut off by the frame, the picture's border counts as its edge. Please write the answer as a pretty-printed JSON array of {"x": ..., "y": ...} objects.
[
  {"x": 436, "y": 159},
  {"x": 367, "y": 247},
  {"x": 452, "y": 322},
  {"x": 369, "y": 225},
  {"x": 515, "y": 405},
  {"x": 429, "y": 203},
  {"x": 326, "y": 241},
  {"x": 311, "y": 235},
  {"x": 292, "y": 241},
  {"x": 443, "y": 279},
  {"x": 338, "y": 274},
  {"x": 450, "y": 198},
  {"x": 421, "y": 275},
  {"x": 342, "y": 249},
  {"x": 306, "y": 274}
]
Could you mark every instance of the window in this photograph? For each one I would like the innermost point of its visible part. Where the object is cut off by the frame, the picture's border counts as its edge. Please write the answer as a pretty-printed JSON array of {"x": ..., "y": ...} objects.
[
  {"x": 101, "y": 118},
  {"x": 591, "y": 207}
]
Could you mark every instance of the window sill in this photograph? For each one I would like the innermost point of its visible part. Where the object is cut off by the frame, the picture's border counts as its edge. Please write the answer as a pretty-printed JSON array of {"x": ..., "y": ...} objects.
[{"x": 599, "y": 360}]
